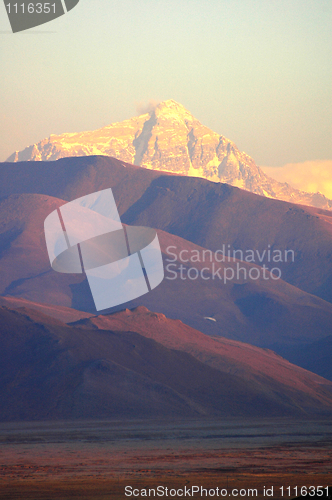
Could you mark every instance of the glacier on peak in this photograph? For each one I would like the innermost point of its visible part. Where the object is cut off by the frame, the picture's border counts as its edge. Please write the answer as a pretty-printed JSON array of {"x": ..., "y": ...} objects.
[{"x": 169, "y": 138}]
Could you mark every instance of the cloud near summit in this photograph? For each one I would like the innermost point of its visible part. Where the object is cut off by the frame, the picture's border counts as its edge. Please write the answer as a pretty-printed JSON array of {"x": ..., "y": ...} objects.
[
  {"x": 311, "y": 176},
  {"x": 142, "y": 107}
]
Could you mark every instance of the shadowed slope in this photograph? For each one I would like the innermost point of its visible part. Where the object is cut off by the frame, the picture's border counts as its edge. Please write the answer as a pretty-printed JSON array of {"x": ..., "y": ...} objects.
[
  {"x": 206, "y": 213},
  {"x": 213, "y": 215},
  {"x": 315, "y": 357},
  {"x": 266, "y": 313}
]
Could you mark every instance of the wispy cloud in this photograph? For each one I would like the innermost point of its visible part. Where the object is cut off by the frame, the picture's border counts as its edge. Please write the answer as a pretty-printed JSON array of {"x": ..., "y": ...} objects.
[
  {"x": 143, "y": 107},
  {"x": 311, "y": 176}
]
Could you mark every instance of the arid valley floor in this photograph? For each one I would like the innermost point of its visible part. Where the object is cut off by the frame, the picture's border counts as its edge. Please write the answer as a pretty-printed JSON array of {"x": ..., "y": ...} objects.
[{"x": 96, "y": 460}]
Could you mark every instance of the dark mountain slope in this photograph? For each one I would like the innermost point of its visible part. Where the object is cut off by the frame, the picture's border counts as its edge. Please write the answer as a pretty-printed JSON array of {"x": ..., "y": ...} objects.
[
  {"x": 206, "y": 213},
  {"x": 267, "y": 313},
  {"x": 213, "y": 215},
  {"x": 316, "y": 357}
]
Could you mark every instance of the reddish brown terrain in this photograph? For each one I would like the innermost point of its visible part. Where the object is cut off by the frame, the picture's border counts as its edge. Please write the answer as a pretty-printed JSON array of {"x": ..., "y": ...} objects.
[
  {"x": 193, "y": 214},
  {"x": 143, "y": 365},
  {"x": 247, "y": 361},
  {"x": 207, "y": 213},
  {"x": 48, "y": 312},
  {"x": 190, "y": 349},
  {"x": 268, "y": 313},
  {"x": 97, "y": 460}
]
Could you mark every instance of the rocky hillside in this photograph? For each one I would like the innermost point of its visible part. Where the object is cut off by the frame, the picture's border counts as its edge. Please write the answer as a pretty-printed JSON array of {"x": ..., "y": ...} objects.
[{"x": 51, "y": 371}]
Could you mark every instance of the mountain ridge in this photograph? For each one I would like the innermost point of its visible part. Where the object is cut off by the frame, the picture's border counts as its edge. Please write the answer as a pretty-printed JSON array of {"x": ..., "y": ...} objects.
[
  {"x": 264, "y": 312},
  {"x": 171, "y": 139},
  {"x": 205, "y": 213},
  {"x": 53, "y": 371}
]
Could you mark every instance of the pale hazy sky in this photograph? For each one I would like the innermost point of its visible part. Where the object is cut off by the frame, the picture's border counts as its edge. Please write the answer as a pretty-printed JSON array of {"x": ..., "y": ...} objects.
[{"x": 257, "y": 71}]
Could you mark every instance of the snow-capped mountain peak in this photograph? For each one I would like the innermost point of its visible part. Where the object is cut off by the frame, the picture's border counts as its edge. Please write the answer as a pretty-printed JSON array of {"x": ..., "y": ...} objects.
[{"x": 170, "y": 138}]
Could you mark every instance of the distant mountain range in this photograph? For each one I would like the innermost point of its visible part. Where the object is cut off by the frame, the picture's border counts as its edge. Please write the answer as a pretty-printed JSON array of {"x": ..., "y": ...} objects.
[
  {"x": 203, "y": 213},
  {"x": 191, "y": 215},
  {"x": 169, "y": 138},
  {"x": 190, "y": 357}
]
